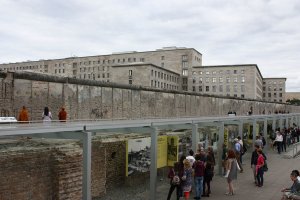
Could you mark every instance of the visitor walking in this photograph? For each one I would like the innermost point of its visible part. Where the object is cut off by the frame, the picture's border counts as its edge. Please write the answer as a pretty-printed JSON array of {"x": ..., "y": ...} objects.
[
  {"x": 231, "y": 173},
  {"x": 259, "y": 168},
  {"x": 186, "y": 185},
  {"x": 209, "y": 171},
  {"x": 198, "y": 176}
]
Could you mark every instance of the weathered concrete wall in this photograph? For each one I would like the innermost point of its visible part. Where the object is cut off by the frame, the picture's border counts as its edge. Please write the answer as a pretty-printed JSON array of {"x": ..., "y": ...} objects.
[{"x": 97, "y": 100}]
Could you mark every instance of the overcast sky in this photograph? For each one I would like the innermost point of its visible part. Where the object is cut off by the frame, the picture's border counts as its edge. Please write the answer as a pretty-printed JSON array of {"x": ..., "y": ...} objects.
[{"x": 262, "y": 32}]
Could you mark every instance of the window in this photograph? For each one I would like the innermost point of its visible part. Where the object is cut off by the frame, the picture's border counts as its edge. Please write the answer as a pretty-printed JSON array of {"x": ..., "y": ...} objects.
[
  {"x": 130, "y": 73},
  {"x": 207, "y": 80},
  {"x": 194, "y": 73},
  {"x": 200, "y": 88},
  {"x": 129, "y": 59},
  {"x": 162, "y": 64},
  {"x": 242, "y": 71},
  {"x": 269, "y": 88},
  {"x": 280, "y": 94},
  {"x": 235, "y": 71},
  {"x": 214, "y": 72},
  {"x": 194, "y": 80},
  {"x": 130, "y": 82},
  {"x": 201, "y": 72},
  {"x": 185, "y": 72},
  {"x": 228, "y": 71},
  {"x": 158, "y": 74},
  {"x": 275, "y": 88},
  {"x": 163, "y": 57},
  {"x": 220, "y": 88},
  {"x": 207, "y": 72},
  {"x": 235, "y": 79},
  {"x": 214, "y": 88},
  {"x": 264, "y": 95},
  {"x": 227, "y": 79},
  {"x": 235, "y": 88},
  {"x": 214, "y": 79},
  {"x": 207, "y": 88},
  {"x": 55, "y": 71},
  {"x": 264, "y": 88},
  {"x": 235, "y": 95},
  {"x": 280, "y": 89},
  {"x": 184, "y": 64},
  {"x": 269, "y": 94},
  {"x": 242, "y": 88},
  {"x": 221, "y": 72},
  {"x": 151, "y": 83},
  {"x": 227, "y": 88},
  {"x": 184, "y": 57},
  {"x": 200, "y": 80},
  {"x": 194, "y": 89},
  {"x": 221, "y": 79},
  {"x": 155, "y": 73},
  {"x": 243, "y": 79}
]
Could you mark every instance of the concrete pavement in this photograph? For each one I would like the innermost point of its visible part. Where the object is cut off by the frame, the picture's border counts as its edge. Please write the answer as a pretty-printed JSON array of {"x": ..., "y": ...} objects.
[{"x": 277, "y": 177}]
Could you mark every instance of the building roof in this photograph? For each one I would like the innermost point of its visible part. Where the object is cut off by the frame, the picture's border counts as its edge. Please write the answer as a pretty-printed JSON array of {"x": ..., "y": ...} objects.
[
  {"x": 276, "y": 78},
  {"x": 116, "y": 53}
]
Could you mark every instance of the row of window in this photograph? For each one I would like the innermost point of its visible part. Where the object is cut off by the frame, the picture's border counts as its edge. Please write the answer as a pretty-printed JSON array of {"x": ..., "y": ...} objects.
[
  {"x": 25, "y": 67},
  {"x": 274, "y": 95},
  {"x": 271, "y": 82},
  {"x": 89, "y": 69},
  {"x": 220, "y": 88},
  {"x": 164, "y": 76},
  {"x": 90, "y": 76},
  {"x": 220, "y": 79},
  {"x": 157, "y": 84},
  {"x": 59, "y": 71},
  {"x": 270, "y": 88},
  {"x": 123, "y": 60},
  {"x": 242, "y": 71}
]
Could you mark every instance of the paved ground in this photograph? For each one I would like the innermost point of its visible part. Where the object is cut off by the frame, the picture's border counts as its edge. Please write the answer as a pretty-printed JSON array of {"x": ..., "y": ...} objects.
[{"x": 276, "y": 178}]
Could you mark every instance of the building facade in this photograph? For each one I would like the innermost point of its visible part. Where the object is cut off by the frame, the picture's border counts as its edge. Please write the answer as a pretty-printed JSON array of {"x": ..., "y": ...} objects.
[
  {"x": 274, "y": 89},
  {"x": 172, "y": 68},
  {"x": 243, "y": 81}
]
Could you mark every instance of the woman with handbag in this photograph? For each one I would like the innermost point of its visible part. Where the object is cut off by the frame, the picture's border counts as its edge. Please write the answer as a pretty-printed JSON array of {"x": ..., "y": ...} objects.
[
  {"x": 232, "y": 169},
  {"x": 259, "y": 168},
  {"x": 187, "y": 179}
]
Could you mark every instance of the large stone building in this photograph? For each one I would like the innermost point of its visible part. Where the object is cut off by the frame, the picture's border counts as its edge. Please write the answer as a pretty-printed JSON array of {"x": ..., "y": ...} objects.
[{"x": 171, "y": 68}]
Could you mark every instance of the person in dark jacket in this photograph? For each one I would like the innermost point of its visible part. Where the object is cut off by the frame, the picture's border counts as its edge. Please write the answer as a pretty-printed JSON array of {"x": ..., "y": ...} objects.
[
  {"x": 209, "y": 171},
  {"x": 254, "y": 158}
]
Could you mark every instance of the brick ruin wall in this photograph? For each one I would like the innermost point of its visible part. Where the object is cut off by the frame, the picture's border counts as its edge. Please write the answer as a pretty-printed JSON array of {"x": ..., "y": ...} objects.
[
  {"x": 40, "y": 170},
  {"x": 52, "y": 169},
  {"x": 85, "y": 99}
]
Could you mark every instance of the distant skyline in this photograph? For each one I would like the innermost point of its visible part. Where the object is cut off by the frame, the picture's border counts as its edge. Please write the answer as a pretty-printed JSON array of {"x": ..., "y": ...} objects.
[{"x": 225, "y": 32}]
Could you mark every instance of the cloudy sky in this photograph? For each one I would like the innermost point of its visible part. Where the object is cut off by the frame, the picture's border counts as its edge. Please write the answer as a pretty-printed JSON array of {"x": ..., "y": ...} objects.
[{"x": 263, "y": 32}]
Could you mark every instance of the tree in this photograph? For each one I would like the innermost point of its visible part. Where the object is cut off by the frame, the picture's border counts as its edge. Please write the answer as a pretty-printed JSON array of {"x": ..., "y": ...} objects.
[{"x": 294, "y": 101}]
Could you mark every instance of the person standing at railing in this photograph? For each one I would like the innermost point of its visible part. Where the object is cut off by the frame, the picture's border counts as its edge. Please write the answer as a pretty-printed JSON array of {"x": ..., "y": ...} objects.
[
  {"x": 47, "y": 116},
  {"x": 62, "y": 115},
  {"x": 23, "y": 115}
]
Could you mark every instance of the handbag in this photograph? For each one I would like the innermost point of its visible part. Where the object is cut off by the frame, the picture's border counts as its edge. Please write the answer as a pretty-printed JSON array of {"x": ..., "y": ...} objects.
[{"x": 265, "y": 167}]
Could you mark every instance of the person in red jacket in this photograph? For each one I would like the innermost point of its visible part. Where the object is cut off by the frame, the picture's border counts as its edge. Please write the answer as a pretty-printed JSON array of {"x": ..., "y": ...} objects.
[
  {"x": 62, "y": 115},
  {"x": 23, "y": 115}
]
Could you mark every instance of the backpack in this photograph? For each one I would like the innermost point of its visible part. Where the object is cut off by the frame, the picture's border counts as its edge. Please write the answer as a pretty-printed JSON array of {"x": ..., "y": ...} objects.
[
  {"x": 264, "y": 141},
  {"x": 176, "y": 180},
  {"x": 199, "y": 168}
]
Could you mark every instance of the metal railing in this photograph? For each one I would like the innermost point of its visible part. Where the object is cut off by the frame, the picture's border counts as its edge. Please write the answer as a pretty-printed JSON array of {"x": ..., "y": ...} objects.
[{"x": 296, "y": 149}]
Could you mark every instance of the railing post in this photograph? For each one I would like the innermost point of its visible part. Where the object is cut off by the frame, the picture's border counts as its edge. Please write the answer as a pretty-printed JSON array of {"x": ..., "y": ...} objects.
[
  {"x": 87, "y": 148},
  {"x": 153, "y": 165},
  {"x": 195, "y": 137},
  {"x": 220, "y": 147}
]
